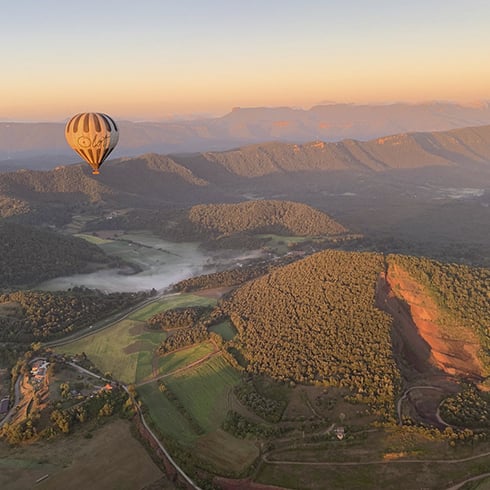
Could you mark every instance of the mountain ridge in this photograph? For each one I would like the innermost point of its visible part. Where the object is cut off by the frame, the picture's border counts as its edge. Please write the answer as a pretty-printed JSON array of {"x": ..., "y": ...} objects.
[{"x": 34, "y": 144}]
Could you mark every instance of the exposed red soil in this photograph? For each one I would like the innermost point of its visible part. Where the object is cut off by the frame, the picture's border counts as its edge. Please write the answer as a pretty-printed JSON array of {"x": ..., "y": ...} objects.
[{"x": 430, "y": 343}]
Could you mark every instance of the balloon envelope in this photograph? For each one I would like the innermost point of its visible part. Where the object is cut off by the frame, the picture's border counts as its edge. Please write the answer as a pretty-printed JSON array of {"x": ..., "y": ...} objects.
[{"x": 93, "y": 136}]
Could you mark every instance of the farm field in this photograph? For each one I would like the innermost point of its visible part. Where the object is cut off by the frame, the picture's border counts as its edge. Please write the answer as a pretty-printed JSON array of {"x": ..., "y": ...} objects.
[
  {"x": 126, "y": 349},
  {"x": 182, "y": 358},
  {"x": 79, "y": 463},
  {"x": 203, "y": 392}
]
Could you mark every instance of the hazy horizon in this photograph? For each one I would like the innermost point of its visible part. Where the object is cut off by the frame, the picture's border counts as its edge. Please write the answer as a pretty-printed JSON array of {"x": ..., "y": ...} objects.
[{"x": 156, "y": 59}]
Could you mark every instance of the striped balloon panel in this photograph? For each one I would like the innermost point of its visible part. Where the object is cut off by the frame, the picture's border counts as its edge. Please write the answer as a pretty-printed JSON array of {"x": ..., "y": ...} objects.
[{"x": 93, "y": 136}]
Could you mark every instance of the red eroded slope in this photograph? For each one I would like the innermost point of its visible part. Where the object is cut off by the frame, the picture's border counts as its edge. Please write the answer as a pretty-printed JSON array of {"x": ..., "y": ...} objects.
[{"x": 453, "y": 352}]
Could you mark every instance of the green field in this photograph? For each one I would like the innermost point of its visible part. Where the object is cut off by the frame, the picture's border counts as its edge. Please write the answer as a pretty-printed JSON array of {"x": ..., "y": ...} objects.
[
  {"x": 203, "y": 391},
  {"x": 127, "y": 348},
  {"x": 165, "y": 415},
  {"x": 184, "y": 357},
  {"x": 225, "y": 329}
]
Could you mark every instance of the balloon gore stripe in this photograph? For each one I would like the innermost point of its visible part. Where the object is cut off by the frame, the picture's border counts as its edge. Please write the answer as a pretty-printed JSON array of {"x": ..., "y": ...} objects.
[{"x": 93, "y": 136}]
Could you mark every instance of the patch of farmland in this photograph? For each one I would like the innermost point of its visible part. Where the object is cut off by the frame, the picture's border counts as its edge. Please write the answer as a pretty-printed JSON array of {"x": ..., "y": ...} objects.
[
  {"x": 110, "y": 458},
  {"x": 225, "y": 452},
  {"x": 203, "y": 390},
  {"x": 165, "y": 415},
  {"x": 181, "y": 358},
  {"x": 125, "y": 350}
]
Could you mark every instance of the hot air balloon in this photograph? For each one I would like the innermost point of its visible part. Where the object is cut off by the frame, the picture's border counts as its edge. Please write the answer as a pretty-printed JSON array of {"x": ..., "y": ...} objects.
[{"x": 93, "y": 136}]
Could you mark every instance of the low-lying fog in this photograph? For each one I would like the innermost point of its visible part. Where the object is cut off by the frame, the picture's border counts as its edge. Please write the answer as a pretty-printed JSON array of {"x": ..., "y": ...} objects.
[{"x": 163, "y": 263}]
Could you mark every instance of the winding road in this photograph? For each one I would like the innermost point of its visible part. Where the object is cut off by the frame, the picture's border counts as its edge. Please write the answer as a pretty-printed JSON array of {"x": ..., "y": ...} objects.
[{"x": 143, "y": 421}]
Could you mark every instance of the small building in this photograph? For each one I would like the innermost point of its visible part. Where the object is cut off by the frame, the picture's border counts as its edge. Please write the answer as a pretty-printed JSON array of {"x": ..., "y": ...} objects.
[
  {"x": 339, "y": 432},
  {"x": 4, "y": 405}
]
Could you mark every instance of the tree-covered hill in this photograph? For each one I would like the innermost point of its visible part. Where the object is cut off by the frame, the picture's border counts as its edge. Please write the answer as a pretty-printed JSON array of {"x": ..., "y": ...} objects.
[
  {"x": 147, "y": 181},
  {"x": 264, "y": 217},
  {"x": 315, "y": 321},
  {"x": 29, "y": 254}
]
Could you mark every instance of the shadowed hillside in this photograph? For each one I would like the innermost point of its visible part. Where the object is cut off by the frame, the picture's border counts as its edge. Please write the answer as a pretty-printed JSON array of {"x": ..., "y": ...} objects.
[
  {"x": 29, "y": 254},
  {"x": 428, "y": 189}
]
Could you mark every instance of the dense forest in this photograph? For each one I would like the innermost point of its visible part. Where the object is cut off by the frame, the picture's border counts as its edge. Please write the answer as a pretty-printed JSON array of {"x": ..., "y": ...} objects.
[
  {"x": 29, "y": 316},
  {"x": 281, "y": 217},
  {"x": 314, "y": 321},
  {"x": 29, "y": 254},
  {"x": 230, "y": 277},
  {"x": 177, "y": 318}
]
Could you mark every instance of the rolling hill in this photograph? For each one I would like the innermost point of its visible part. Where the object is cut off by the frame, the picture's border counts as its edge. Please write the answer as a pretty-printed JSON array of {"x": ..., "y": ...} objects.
[
  {"x": 327, "y": 319},
  {"x": 264, "y": 216}
]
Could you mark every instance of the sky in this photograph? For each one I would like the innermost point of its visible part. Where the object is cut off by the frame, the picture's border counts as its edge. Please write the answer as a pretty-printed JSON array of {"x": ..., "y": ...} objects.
[{"x": 154, "y": 59}]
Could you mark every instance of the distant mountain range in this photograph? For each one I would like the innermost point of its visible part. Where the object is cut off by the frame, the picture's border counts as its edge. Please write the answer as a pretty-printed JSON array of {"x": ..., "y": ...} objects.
[
  {"x": 42, "y": 145},
  {"x": 153, "y": 180}
]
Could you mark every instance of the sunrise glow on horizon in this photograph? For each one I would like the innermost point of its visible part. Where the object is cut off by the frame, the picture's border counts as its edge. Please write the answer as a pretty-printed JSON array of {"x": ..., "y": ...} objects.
[{"x": 152, "y": 59}]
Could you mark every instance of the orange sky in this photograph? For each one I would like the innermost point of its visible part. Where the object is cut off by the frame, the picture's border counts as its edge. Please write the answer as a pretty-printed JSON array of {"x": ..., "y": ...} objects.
[{"x": 206, "y": 57}]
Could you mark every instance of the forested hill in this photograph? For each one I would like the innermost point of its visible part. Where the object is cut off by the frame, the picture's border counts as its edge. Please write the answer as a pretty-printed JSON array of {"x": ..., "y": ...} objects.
[
  {"x": 264, "y": 217},
  {"x": 29, "y": 255},
  {"x": 315, "y": 320}
]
